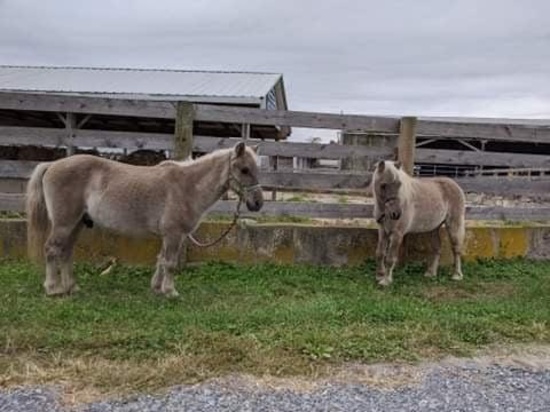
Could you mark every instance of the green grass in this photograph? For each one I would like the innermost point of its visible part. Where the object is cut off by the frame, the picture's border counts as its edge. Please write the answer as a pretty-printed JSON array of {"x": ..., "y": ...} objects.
[{"x": 266, "y": 319}]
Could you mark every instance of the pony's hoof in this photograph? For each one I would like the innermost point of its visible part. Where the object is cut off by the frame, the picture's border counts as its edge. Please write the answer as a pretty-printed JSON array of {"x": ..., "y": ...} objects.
[
  {"x": 71, "y": 290},
  {"x": 380, "y": 276},
  {"x": 157, "y": 290},
  {"x": 429, "y": 274},
  {"x": 171, "y": 294},
  {"x": 457, "y": 276},
  {"x": 54, "y": 291},
  {"x": 385, "y": 282}
]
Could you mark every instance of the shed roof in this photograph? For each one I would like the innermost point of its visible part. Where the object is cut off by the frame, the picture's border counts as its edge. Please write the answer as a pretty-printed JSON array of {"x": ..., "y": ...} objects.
[{"x": 249, "y": 88}]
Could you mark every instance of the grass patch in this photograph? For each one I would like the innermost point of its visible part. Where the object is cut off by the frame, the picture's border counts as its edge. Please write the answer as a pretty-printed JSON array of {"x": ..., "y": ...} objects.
[{"x": 267, "y": 319}]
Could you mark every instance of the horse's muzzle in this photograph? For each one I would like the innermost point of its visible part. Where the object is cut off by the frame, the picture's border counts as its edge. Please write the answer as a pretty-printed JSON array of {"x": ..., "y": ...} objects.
[{"x": 255, "y": 200}]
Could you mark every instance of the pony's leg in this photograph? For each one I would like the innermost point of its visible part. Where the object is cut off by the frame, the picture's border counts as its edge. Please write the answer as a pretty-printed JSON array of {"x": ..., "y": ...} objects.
[
  {"x": 431, "y": 271},
  {"x": 395, "y": 239},
  {"x": 66, "y": 262},
  {"x": 55, "y": 248},
  {"x": 171, "y": 248},
  {"x": 158, "y": 276},
  {"x": 456, "y": 231},
  {"x": 381, "y": 249}
]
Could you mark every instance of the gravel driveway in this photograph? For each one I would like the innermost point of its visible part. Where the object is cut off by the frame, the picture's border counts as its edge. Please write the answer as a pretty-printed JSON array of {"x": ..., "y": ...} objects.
[{"x": 449, "y": 387}]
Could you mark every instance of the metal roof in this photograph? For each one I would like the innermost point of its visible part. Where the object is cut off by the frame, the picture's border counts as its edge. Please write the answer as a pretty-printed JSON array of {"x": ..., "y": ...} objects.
[{"x": 150, "y": 84}]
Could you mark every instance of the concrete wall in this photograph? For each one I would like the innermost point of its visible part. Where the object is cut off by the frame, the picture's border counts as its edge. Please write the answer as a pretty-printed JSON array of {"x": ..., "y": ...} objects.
[{"x": 296, "y": 243}]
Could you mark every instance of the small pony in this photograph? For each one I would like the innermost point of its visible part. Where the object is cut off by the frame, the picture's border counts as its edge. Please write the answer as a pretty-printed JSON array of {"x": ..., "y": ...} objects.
[
  {"x": 167, "y": 200},
  {"x": 403, "y": 204}
]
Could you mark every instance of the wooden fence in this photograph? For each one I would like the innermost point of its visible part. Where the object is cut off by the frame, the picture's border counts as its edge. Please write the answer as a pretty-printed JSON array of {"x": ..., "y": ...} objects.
[{"x": 13, "y": 173}]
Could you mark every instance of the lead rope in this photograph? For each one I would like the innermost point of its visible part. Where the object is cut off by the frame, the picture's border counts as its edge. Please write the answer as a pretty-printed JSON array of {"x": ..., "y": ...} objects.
[{"x": 224, "y": 234}]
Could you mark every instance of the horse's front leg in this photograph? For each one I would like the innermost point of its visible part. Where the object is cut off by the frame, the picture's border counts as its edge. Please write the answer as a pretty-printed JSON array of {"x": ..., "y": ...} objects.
[
  {"x": 168, "y": 262},
  {"x": 392, "y": 253},
  {"x": 158, "y": 277},
  {"x": 381, "y": 254}
]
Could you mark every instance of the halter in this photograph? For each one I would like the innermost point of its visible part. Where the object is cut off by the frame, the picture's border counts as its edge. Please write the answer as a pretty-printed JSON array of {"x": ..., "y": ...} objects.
[
  {"x": 241, "y": 190},
  {"x": 383, "y": 215}
]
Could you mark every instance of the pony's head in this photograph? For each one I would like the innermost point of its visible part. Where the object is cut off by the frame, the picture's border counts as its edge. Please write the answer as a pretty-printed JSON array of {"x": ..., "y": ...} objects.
[
  {"x": 387, "y": 184},
  {"x": 244, "y": 176}
]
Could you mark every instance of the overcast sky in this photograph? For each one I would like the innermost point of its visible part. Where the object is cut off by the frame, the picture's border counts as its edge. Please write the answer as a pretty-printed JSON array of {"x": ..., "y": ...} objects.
[{"x": 415, "y": 57}]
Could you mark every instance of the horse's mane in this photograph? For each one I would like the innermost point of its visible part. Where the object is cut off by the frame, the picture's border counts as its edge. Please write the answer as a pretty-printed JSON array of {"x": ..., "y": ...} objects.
[{"x": 207, "y": 157}]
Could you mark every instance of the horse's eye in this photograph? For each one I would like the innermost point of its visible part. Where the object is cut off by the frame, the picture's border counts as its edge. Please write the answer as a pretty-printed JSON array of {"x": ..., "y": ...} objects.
[
  {"x": 383, "y": 186},
  {"x": 245, "y": 170}
]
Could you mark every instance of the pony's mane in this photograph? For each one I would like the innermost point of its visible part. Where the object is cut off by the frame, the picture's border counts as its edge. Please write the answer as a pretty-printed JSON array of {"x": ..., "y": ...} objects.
[{"x": 207, "y": 157}]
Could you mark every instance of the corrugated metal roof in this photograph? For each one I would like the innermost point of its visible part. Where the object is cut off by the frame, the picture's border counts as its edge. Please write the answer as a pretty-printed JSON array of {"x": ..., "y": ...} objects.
[{"x": 238, "y": 87}]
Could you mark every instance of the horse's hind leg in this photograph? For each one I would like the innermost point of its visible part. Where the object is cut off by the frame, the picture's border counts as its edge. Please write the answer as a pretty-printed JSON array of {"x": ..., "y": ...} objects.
[
  {"x": 456, "y": 230},
  {"x": 66, "y": 262},
  {"x": 431, "y": 271},
  {"x": 58, "y": 251}
]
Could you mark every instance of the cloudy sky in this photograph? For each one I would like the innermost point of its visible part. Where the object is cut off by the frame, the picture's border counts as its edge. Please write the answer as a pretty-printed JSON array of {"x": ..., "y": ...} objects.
[{"x": 414, "y": 57}]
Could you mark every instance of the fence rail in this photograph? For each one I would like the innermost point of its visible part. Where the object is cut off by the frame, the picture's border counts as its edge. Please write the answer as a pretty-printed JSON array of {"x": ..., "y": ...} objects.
[{"x": 397, "y": 139}]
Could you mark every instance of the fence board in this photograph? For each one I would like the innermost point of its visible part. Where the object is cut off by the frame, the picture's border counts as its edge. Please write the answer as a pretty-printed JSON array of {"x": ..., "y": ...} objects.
[
  {"x": 463, "y": 157},
  {"x": 227, "y": 114},
  {"x": 15, "y": 203},
  {"x": 334, "y": 151},
  {"x": 534, "y": 187},
  {"x": 87, "y": 104},
  {"x": 43, "y": 136},
  {"x": 314, "y": 182},
  {"x": 497, "y": 129}
]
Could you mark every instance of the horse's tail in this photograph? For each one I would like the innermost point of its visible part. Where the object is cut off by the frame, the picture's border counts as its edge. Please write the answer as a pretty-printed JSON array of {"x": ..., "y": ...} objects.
[{"x": 38, "y": 223}]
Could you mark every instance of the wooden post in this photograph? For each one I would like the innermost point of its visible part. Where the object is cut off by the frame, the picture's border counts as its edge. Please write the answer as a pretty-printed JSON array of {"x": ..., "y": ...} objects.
[
  {"x": 183, "y": 136},
  {"x": 245, "y": 131},
  {"x": 71, "y": 127},
  {"x": 406, "y": 143}
]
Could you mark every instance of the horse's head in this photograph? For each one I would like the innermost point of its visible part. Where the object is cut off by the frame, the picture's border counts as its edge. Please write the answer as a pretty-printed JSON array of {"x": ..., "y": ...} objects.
[
  {"x": 244, "y": 176},
  {"x": 386, "y": 184}
]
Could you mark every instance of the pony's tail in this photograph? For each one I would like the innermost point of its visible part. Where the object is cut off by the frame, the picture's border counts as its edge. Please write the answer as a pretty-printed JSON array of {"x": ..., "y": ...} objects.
[{"x": 38, "y": 223}]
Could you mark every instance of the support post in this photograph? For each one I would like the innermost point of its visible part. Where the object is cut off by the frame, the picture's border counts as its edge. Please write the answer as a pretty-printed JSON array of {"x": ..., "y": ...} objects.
[
  {"x": 406, "y": 143},
  {"x": 183, "y": 135},
  {"x": 71, "y": 127}
]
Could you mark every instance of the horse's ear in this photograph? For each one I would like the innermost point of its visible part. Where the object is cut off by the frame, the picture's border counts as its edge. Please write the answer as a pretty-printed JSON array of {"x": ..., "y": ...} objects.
[
  {"x": 239, "y": 149},
  {"x": 397, "y": 164},
  {"x": 380, "y": 166},
  {"x": 256, "y": 148}
]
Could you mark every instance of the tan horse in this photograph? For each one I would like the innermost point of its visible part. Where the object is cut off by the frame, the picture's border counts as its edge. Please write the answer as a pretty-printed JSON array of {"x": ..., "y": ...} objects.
[
  {"x": 167, "y": 200},
  {"x": 404, "y": 204}
]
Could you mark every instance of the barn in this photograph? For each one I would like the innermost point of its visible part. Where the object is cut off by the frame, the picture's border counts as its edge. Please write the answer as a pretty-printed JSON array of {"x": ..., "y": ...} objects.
[{"x": 239, "y": 89}]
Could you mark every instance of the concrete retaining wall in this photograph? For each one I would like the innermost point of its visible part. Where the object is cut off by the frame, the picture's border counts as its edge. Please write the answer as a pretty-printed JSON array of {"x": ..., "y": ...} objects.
[{"x": 296, "y": 243}]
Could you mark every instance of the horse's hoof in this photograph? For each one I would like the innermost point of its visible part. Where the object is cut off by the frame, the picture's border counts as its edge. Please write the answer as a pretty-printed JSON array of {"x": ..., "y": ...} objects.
[
  {"x": 54, "y": 291},
  {"x": 384, "y": 282},
  {"x": 429, "y": 274},
  {"x": 171, "y": 294},
  {"x": 457, "y": 276},
  {"x": 380, "y": 276},
  {"x": 73, "y": 289}
]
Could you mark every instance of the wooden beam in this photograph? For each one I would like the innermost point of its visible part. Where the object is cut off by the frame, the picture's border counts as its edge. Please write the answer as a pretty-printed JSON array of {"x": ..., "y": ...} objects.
[
  {"x": 15, "y": 203},
  {"x": 466, "y": 157},
  {"x": 87, "y": 104},
  {"x": 70, "y": 130},
  {"x": 498, "y": 129},
  {"x": 406, "y": 143},
  {"x": 183, "y": 135},
  {"x": 534, "y": 187},
  {"x": 334, "y": 151},
  {"x": 45, "y": 136}
]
